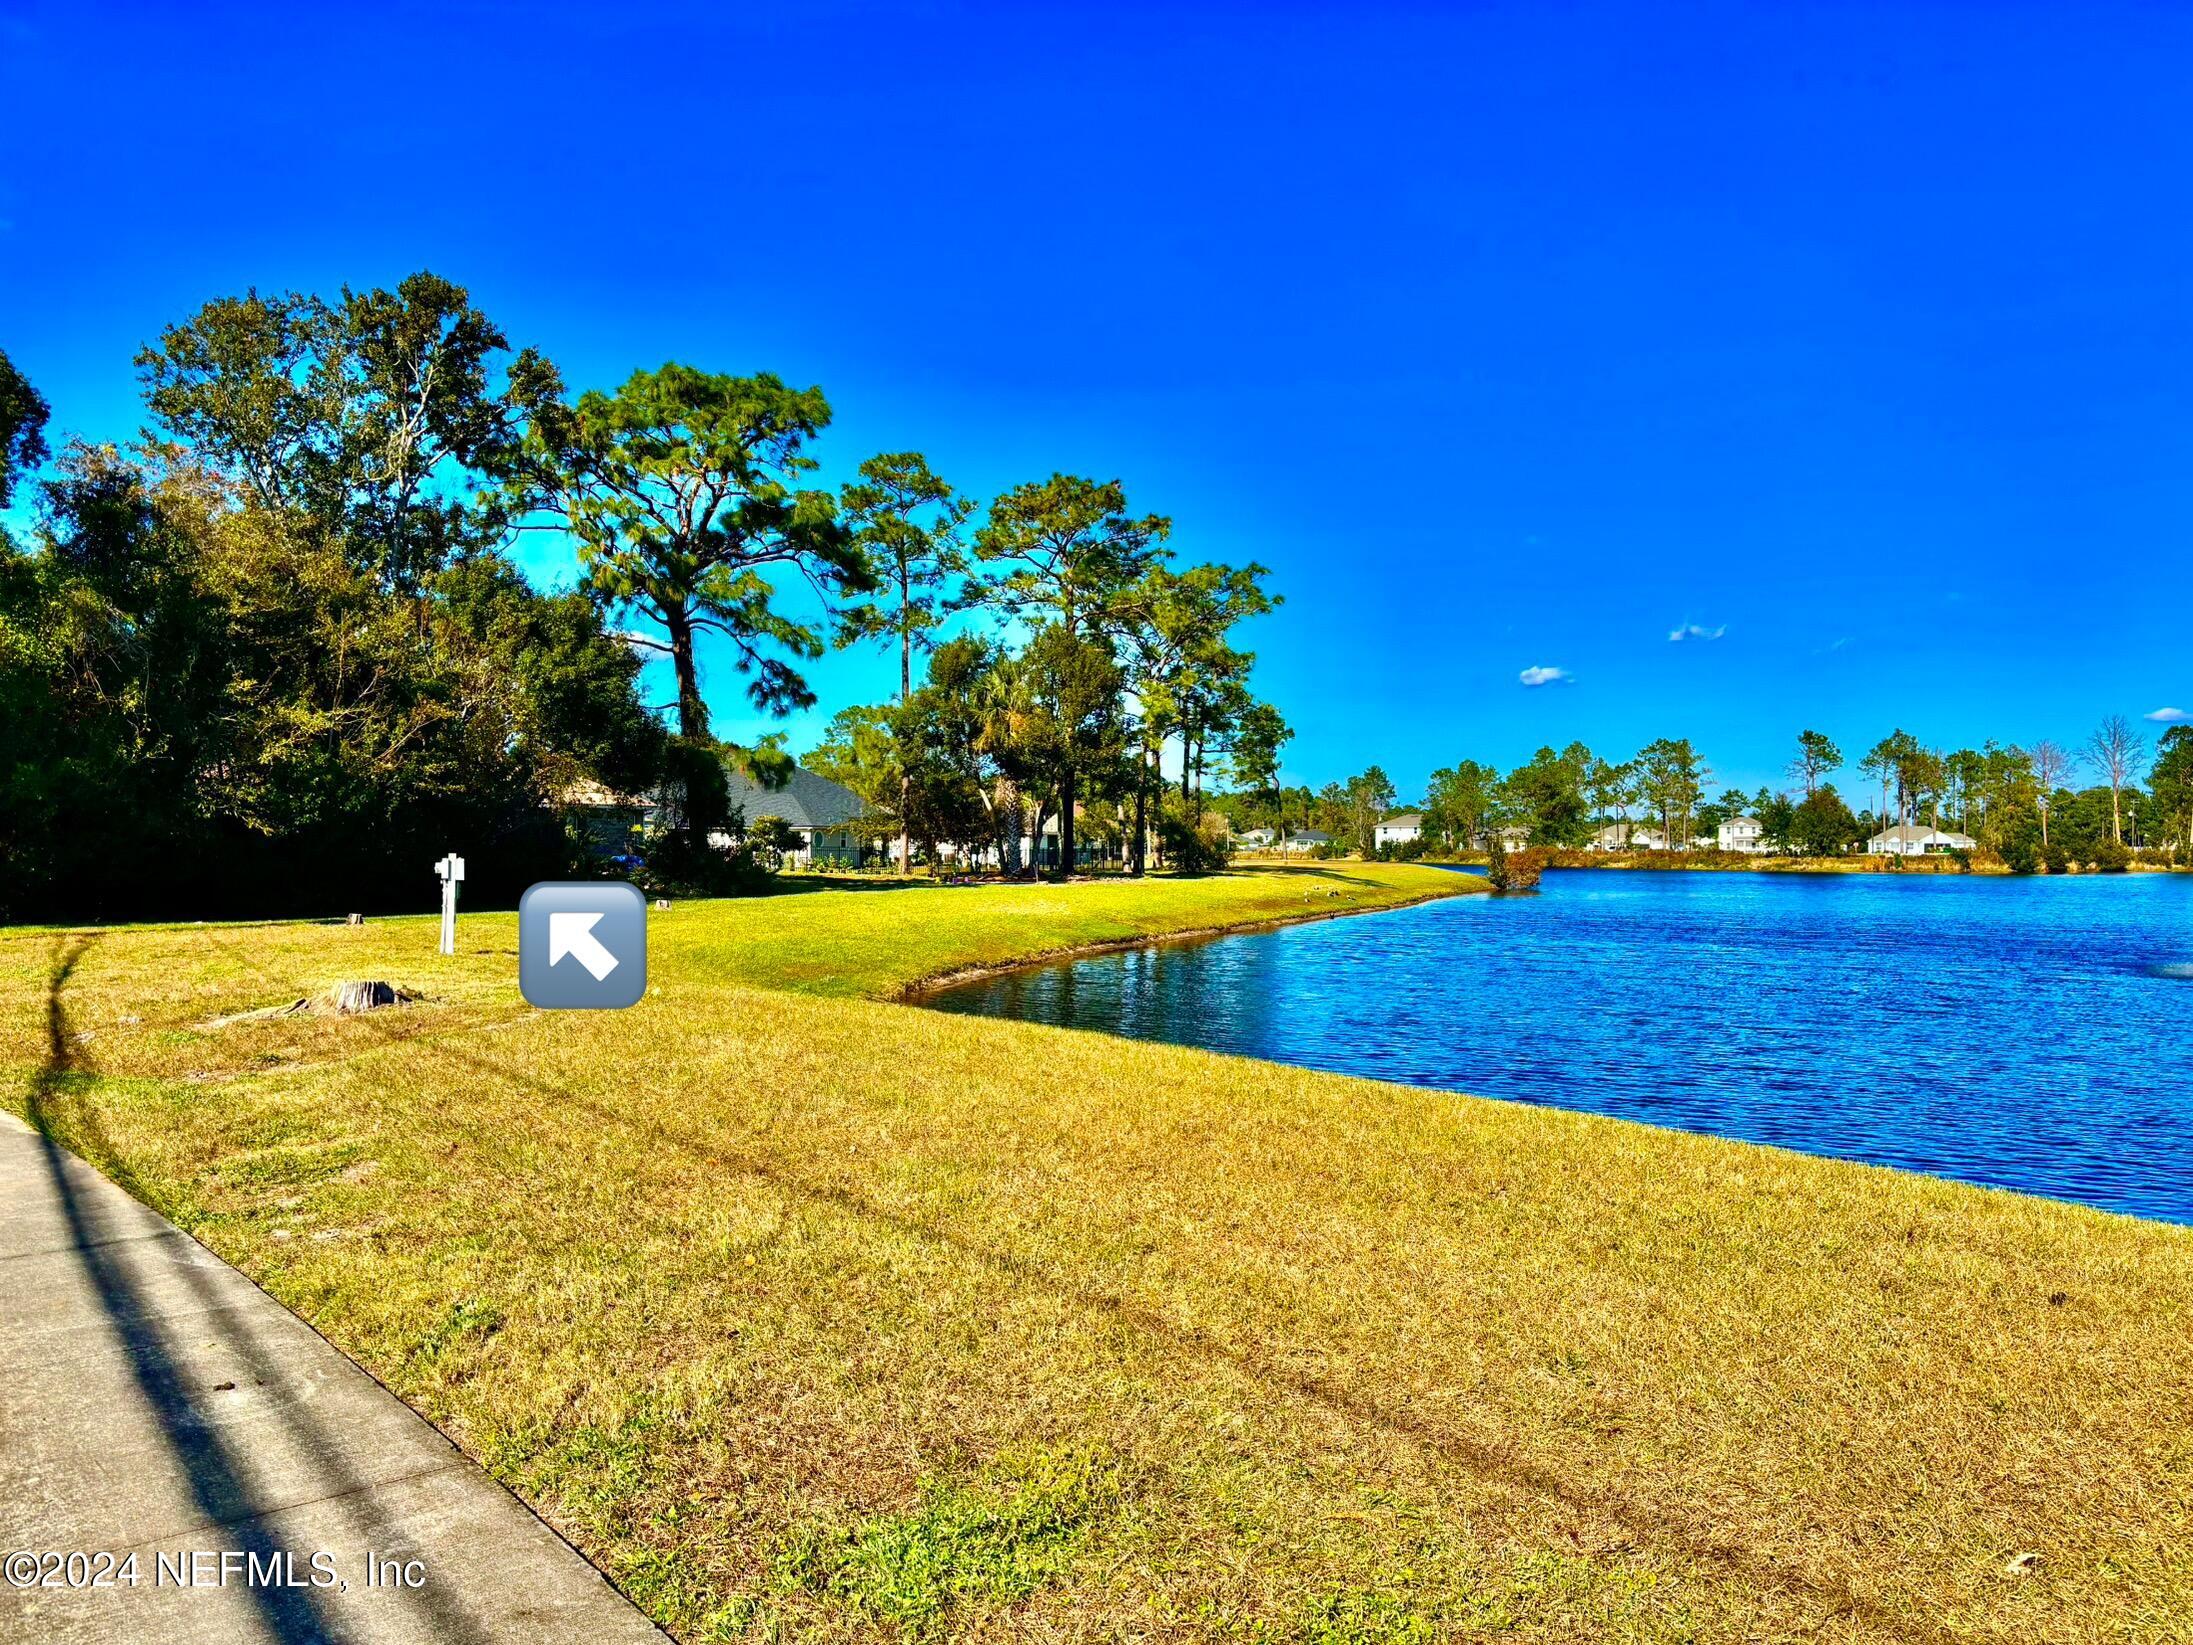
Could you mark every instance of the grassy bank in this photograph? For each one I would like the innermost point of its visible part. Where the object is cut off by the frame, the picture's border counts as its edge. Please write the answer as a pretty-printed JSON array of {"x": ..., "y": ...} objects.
[{"x": 810, "y": 1315}]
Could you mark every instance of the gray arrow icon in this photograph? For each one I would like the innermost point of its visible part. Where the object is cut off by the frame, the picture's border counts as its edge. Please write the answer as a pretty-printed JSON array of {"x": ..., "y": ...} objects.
[{"x": 582, "y": 945}]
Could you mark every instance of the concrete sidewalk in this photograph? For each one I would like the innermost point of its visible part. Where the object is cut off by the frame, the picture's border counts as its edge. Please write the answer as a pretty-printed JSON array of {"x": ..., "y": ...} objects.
[{"x": 155, "y": 1403}]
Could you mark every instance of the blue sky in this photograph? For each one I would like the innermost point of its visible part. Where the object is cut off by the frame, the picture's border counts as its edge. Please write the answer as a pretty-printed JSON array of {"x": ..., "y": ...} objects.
[{"x": 1850, "y": 342}]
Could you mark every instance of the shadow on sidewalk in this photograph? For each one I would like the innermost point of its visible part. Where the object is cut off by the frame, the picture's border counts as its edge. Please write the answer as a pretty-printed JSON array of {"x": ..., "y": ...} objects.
[{"x": 228, "y": 1502}]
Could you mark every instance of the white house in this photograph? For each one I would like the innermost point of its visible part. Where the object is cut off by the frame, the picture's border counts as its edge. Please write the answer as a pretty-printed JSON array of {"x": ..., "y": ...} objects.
[
  {"x": 1624, "y": 836},
  {"x": 1254, "y": 839},
  {"x": 1746, "y": 834},
  {"x": 1399, "y": 830},
  {"x": 1514, "y": 837},
  {"x": 1305, "y": 840},
  {"x": 1917, "y": 840}
]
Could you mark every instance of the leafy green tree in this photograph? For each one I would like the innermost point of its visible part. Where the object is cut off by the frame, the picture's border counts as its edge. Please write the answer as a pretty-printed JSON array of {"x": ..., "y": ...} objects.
[
  {"x": 23, "y": 413},
  {"x": 2171, "y": 783},
  {"x": 1254, "y": 755},
  {"x": 1546, "y": 796},
  {"x": 1999, "y": 792},
  {"x": 1069, "y": 727},
  {"x": 907, "y": 521},
  {"x": 1926, "y": 776},
  {"x": 860, "y": 750},
  {"x": 1712, "y": 816},
  {"x": 1185, "y": 674},
  {"x": 1460, "y": 802},
  {"x": 947, "y": 740},
  {"x": 370, "y": 419},
  {"x": 1610, "y": 789},
  {"x": 1671, "y": 778},
  {"x": 1368, "y": 797},
  {"x": 1066, "y": 552},
  {"x": 1817, "y": 759},
  {"x": 1892, "y": 763},
  {"x": 1822, "y": 826},
  {"x": 222, "y": 711},
  {"x": 1777, "y": 819},
  {"x": 682, "y": 492}
]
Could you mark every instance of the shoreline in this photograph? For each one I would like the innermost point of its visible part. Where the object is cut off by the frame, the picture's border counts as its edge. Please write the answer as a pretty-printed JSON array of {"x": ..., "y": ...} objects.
[
  {"x": 915, "y": 993},
  {"x": 1736, "y": 863}
]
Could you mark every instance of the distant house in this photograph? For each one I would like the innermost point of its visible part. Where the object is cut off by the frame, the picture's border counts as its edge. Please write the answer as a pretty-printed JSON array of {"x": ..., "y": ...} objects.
[
  {"x": 1254, "y": 839},
  {"x": 1304, "y": 840},
  {"x": 612, "y": 823},
  {"x": 1399, "y": 830},
  {"x": 1747, "y": 834},
  {"x": 1624, "y": 836},
  {"x": 1514, "y": 837},
  {"x": 1917, "y": 840},
  {"x": 821, "y": 812}
]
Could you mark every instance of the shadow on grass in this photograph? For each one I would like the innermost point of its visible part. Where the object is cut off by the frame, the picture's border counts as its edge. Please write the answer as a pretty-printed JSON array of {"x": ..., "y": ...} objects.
[{"x": 291, "y": 1615}]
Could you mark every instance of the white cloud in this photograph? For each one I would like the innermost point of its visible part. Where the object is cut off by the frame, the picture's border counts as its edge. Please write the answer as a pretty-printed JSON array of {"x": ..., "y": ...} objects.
[
  {"x": 1697, "y": 631},
  {"x": 1543, "y": 675},
  {"x": 2171, "y": 716}
]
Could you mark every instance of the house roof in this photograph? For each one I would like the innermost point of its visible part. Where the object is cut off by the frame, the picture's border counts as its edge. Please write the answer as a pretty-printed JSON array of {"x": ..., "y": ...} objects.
[
  {"x": 1411, "y": 819},
  {"x": 807, "y": 800},
  {"x": 1921, "y": 834},
  {"x": 1314, "y": 836},
  {"x": 1731, "y": 822}
]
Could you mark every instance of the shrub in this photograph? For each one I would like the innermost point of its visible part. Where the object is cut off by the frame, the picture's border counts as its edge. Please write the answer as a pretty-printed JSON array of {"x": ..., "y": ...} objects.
[
  {"x": 675, "y": 867},
  {"x": 2111, "y": 858},
  {"x": 1513, "y": 870},
  {"x": 1189, "y": 847}
]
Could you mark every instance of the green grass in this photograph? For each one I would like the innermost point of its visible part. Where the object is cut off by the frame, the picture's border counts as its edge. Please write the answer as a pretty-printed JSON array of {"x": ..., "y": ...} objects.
[{"x": 810, "y": 1315}]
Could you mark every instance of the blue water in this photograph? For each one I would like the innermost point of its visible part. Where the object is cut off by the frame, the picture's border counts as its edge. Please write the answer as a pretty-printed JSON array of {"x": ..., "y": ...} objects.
[{"x": 2024, "y": 1033}]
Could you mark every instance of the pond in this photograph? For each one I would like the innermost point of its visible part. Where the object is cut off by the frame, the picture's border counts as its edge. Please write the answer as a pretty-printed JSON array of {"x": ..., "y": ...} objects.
[{"x": 2034, "y": 1034}]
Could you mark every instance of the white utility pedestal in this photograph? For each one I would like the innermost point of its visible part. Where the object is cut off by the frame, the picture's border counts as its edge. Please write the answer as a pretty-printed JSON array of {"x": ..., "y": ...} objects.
[{"x": 451, "y": 869}]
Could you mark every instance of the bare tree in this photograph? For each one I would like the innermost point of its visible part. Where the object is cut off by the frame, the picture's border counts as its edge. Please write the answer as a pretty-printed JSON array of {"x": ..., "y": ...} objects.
[
  {"x": 2120, "y": 754},
  {"x": 2051, "y": 765}
]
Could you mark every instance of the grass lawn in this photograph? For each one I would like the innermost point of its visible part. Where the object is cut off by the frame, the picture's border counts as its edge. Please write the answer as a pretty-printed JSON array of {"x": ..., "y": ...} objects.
[{"x": 810, "y": 1315}]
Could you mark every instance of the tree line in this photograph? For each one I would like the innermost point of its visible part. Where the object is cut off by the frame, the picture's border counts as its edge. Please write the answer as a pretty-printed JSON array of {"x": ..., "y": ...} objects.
[
  {"x": 2024, "y": 803},
  {"x": 279, "y": 654}
]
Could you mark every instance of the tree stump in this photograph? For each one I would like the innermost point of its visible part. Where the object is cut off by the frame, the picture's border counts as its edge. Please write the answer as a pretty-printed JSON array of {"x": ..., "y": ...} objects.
[{"x": 350, "y": 998}]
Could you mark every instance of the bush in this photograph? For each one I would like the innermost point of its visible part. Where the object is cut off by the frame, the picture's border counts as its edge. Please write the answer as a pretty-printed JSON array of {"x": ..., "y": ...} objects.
[
  {"x": 2055, "y": 858},
  {"x": 675, "y": 867},
  {"x": 1189, "y": 847},
  {"x": 2111, "y": 858},
  {"x": 1513, "y": 870}
]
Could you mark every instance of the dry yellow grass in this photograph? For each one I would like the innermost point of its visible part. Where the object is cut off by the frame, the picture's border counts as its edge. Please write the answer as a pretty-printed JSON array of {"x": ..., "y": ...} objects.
[{"x": 826, "y": 1317}]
